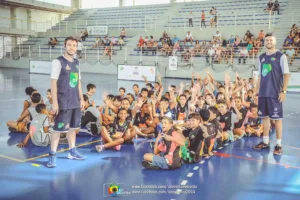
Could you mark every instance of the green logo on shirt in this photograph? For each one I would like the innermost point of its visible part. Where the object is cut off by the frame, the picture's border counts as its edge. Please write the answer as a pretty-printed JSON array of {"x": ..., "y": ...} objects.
[
  {"x": 73, "y": 79},
  {"x": 60, "y": 125},
  {"x": 266, "y": 69}
]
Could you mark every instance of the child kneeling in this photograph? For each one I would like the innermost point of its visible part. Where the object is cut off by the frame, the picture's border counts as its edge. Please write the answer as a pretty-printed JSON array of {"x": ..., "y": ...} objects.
[{"x": 166, "y": 153}]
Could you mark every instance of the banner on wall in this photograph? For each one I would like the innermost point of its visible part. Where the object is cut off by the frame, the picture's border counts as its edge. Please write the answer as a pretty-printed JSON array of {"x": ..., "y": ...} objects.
[
  {"x": 294, "y": 82},
  {"x": 40, "y": 67},
  {"x": 97, "y": 30},
  {"x": 173, "y": 63},
  {"x": 136, "y": 72}
]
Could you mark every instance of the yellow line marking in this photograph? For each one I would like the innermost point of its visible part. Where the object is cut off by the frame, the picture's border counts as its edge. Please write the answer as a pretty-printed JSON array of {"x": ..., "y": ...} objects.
[
  {"x": 62, "y": 150},
  {"x": 10, "y": 158}
]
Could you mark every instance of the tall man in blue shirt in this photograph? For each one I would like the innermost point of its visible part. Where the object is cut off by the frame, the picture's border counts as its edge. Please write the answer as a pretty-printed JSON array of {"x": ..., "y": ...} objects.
[
  {"x": 67, "y": 100},
  {"x": 272, "y": 86}
]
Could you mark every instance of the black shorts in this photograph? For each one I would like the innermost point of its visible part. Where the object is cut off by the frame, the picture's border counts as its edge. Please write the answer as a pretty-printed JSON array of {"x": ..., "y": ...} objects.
[
  {"x": 270, "y": 107},
  {"x": 67, "y": 119}
]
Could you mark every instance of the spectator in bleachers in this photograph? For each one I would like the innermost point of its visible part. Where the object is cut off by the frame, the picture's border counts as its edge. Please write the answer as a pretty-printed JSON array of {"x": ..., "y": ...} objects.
[
  {"x": 188, "y": 37},
  {"x": 215, "y": 13},
  {"x": 243, "y": 55},
  {"x": 290, "y": 52},
  {"x": 166, "y": 49},
  {"x": 204, "y": 47},
  {"x": 84, "y": 34},
  {"x": 176, "y": 48},
  {"x": 191, "y": 19},
  {"x": 51, "y": 42},
  {"x": 197, "y": 48},
  {"x": 294, "y": 28},
  {"x": 257, "y": 46},
  {"x": 187, "y": 54},
  {"x": 215, "y": 44},
  {"x": 123, "y": 33},
  {"x": 106, "y": 41},
  {"x": 114, "y": 41},
  {"x": 218, "y": 55},
  {"x": 231, "y": 40},
  {"x": 79, "y": 49},
  {"x": 211, "y": 19},
  {"x": 175, "y": 39},
  {"x": 289, "y": 40},
  {"x": 228, "y": 53},
  {"x": 276, "y": 7},
  {"x": 164, "y": 37},
  {"x": 108, "y": 50},
  {"x": 141, "y": 43},
  {"x": 121, "y": 42},
  {"x": 203, "y": 19},
  {"x": 218, "y": 35},
  {"x": 98, "y": 42},
  {"x": 269, "y": 6},
  {"x": 210, "y": 54},
  {"x": 237, "y": 41},
  {"x": 146, "y": 40},
  {"x": 250, "y": 46},
  {"x": 261, "y": 36},
  {"x": 247, "y": 36}
]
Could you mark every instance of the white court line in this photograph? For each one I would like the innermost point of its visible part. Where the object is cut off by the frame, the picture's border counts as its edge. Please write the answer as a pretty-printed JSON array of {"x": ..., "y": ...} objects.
[
  {"x": 184, "y": 182},
  {"x": 195, "y": 168},
  {"x": 202, "y": 161},
  {"x": 190, "y": 175}
]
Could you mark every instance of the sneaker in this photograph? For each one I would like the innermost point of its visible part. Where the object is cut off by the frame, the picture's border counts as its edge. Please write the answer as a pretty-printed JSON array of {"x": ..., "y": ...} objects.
[
  {"x": 148, "y": 165},
  {"x": 99, "y": 148},
  {"x": 52, "y": 161},
  {"x": 117, "y": 148},
  {"x": 277, "y": 150},
  {"x": 73, "y": 154},
  {"x": 211, "y": 153},
  {"x": 261, "y": 145}
]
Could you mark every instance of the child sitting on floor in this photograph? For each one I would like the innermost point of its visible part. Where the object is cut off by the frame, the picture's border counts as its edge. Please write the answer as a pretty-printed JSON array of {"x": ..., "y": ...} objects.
[
  {"x": 39, "y": 128},
  {"x": 166, "y": 153}
]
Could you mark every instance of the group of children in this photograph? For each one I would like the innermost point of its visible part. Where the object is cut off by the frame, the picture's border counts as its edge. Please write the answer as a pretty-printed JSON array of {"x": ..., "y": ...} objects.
[{"x": 187, "y": 121}]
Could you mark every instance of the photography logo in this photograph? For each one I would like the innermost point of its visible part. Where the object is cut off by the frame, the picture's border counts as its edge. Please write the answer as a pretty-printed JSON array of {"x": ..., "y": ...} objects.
[{"x": 114, "y": 190}]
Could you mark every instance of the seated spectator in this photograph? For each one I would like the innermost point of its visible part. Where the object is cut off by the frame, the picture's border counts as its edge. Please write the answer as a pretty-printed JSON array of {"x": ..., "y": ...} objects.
[
  {"x": 187, "y": 53},
  {"x": 290, "y": 52},
  {"x": 218, "y": 35},
  {"x": 176, "y": 48},
  {"x": 175, "y": 39},
  {"x": 106, "y": 41},
  {"x": 166, "y": 48},
  {"x": 237, "y": 41},
  {"x": 188, "y": 37},
  {"x": 231, "y": 40},
  {"x": 141, "y": 43},
  {"x": 55, "y": 41},
  {"x": 289, "y": 39},
  {"x": 276, "y": 7},
  {"x": 218, "y": 55},
  {"x": 228, "y": 53},
  {"x": 269, "y": 6},
  {"x": 294, "y": 28},
  {"x": 123, "y": 33},
  {"x": 247, "y": 36},
  {"x": 261, "y": 36},
  {"x": 243, "y": 55},
  {"x": 256, "y": 47},
  {"x": 146, "y": 40},
  {"x": 197, "y": 48},
  {"x": 121, "y": 42},
  {"x": 210, "y": 54},
  {"x": 215, "y": 45},
  {"x": 114, "y": 41},
  {"x": 154, "y": 48},
  {"x": 84, "y": 35},
  {"x": 98, "y": 42},
  {"x": 169, "y": 41},
  {"x": 164, "y": 36},
  {"x": 108, "y": 50},
  {"x": 250, "y": 46}
]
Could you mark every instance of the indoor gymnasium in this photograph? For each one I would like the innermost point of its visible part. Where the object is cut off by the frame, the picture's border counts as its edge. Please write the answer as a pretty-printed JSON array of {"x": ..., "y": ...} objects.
[{"x": 149, "y": 99}]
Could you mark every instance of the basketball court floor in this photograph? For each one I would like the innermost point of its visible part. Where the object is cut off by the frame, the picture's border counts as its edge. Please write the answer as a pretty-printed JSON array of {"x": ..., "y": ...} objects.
[{"x": 235, "y": 172}]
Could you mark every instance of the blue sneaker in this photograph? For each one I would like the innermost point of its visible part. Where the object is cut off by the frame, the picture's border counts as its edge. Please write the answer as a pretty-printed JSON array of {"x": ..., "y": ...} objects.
[
  {"x": 73, "y": 154},
  {"x": 52, "y": 160}
]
